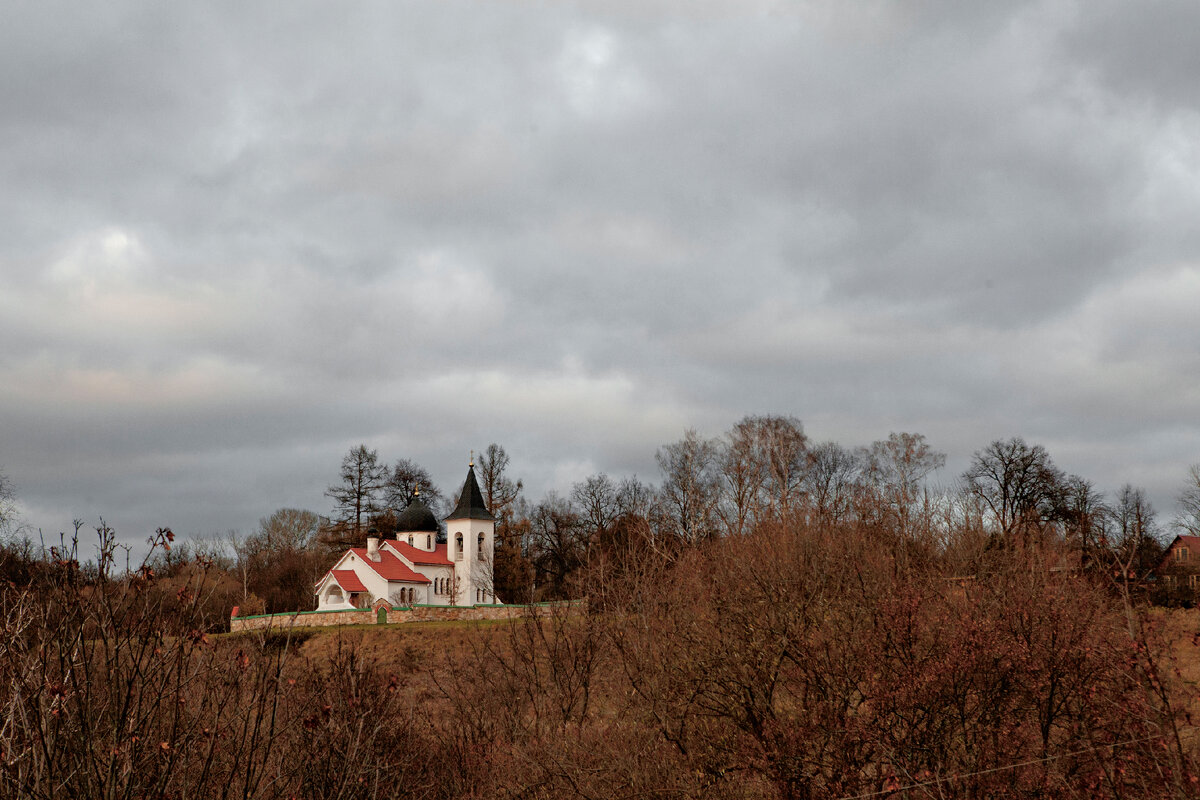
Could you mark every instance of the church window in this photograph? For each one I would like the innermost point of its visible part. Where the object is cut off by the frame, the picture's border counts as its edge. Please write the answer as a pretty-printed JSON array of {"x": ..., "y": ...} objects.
[
  {"x": 410, "y": 538},
  {"x": 458, "y": 550},
  {"x": 429, "y": 542},
  {"x": 481, "y": 544}
]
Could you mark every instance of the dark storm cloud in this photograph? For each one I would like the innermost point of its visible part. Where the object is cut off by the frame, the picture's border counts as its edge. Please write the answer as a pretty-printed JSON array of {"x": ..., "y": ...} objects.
[{"x": 236, "y": 240}]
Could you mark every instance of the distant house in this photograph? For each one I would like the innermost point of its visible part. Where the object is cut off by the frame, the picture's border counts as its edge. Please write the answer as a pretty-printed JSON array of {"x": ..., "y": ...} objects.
[
  {"x": 413, "y": 569},
  {"x": 1179, "y": 569}
]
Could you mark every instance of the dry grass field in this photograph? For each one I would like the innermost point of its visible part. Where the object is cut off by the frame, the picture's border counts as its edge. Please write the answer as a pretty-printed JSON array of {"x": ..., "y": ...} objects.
[{"x": 1181, "y": 627}]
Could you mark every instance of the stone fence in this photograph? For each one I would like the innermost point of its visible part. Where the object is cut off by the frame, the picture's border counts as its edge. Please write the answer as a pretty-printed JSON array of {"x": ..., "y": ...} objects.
[{"x": 383, "y": 614}]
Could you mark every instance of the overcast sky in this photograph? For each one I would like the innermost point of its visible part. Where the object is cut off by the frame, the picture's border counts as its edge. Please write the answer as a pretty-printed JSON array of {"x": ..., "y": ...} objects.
[{"x": 237, "y": 239}]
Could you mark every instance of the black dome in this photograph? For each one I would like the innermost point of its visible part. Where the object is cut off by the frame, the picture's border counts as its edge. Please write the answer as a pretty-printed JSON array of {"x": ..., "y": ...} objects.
[{"x": 416, "y": 518}]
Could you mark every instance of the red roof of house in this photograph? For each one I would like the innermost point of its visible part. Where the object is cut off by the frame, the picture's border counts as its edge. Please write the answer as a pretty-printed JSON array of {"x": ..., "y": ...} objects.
[
  {"x": 437, "y": 557},
  {"x": 389, "y": 566},
  {"x": 348, "y": 580},
  {"x": 1192, "y": 543}
]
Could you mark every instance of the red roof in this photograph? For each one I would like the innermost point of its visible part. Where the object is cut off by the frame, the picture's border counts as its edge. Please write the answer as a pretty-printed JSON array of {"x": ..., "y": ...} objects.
[
  {"x": 436, "y": 557},
  {"x": 389, "y": 566},
  {"x": 348, "y": 580},
  {"x": 1193, "y": 545}
]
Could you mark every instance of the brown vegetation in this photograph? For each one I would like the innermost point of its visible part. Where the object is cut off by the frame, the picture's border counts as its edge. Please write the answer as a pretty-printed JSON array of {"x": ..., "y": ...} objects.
[{"x": 798, "y": 661}]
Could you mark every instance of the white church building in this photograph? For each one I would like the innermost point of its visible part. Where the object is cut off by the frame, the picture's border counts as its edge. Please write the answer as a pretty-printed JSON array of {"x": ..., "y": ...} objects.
[{"x": 413, "y": 569}]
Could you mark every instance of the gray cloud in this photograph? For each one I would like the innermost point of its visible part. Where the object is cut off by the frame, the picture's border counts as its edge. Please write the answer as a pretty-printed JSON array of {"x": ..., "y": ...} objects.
[{"x": 235, "y": 241}]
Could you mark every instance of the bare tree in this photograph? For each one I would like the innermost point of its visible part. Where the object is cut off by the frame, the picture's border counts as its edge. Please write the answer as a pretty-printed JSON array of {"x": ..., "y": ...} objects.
[
  {"x": 1085, "y": 516},
  {"x": 691, "y": 485},
  {"x": 1017, "y": 482},
  {"x": 597, "y": 500},
  {"x": 783, "y": 445},
  {"x": 403, "y": 481},
  {"x": 236, "y": 543},
  {"x": 763, "y": 464},
  {"x": 287, "y": 529},
  {"x": 357, "y": 496},
  {"x": 896, "y": 468},
  {"x": 831, "y": 479},
  {"x": 278, "y": 563},
  {"x": 743, "y": 475},
  {"x": 8, "y": 504},
  {"x": 1134, "y": 533},
  {"x": 634, "y": 497},
  {"x": 558, "y": 538},
  {"x": 1189, "y": 503},
  {"x": 499, "y": 491}
]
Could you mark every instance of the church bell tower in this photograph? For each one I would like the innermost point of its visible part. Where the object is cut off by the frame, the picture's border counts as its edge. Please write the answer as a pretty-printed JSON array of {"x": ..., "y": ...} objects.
[{"x": 471, "y": 545}]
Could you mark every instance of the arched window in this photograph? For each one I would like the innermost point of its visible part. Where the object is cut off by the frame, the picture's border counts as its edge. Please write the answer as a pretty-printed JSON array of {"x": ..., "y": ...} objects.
[
  {"x": 481, "y": 544},
  {"x": 410, "y": 538},
  {"x": 458, "y": 551},
  {"x": 429, "y": 542}
]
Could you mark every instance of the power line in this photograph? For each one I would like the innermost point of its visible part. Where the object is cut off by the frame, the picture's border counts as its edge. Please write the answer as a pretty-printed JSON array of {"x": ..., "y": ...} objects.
[{"x": 990, "y": 770}]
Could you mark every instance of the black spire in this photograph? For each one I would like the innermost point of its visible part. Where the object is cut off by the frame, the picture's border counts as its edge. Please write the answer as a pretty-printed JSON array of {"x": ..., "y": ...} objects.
[{"x": 470, "y": 501}]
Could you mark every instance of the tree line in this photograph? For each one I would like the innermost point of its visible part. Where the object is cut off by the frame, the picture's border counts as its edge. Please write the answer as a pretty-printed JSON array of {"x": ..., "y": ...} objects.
[{"x": 764, "y": 469}]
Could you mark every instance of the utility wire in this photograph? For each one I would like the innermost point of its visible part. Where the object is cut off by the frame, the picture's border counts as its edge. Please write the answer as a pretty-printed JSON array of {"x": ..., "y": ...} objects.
[{"x": 990, "y": 770}]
